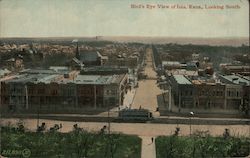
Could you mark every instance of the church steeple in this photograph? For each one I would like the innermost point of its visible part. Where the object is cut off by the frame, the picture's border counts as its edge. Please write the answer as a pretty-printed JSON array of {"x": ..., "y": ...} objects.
[{"x": 77, "y": 51}]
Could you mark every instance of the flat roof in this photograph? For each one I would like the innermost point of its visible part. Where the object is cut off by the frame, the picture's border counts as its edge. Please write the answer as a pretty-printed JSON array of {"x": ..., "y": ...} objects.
[
  {"x": 181, "y": 79},
  {"x": 57, "y": 78},
  {"x": 53, "y": 70},
  {"x": 98, "y": 79},
  {"x": 105, "y": 68},
  {"x": 183, "y": 72},
  {"x": 238, "y": 66},
  {"x": 38, "y": 71},
  {"x": 34, "y": 78},
  {"x": 236, "y": 79},
  {"x": 170, "y": 63}
]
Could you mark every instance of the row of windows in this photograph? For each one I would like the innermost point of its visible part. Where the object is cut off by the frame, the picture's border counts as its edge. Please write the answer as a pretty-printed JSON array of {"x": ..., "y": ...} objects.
[
  {"x": 111, "y": 92},
  {"x": 205, "y": 93},
  {"x": 208, "y": 104},
  {"x": 233, "y": 93},
  {"x": 213, "y": 93}
]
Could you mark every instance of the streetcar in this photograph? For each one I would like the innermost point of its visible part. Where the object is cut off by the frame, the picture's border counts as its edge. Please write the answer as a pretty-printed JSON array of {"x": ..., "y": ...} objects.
[{"x": 135, "y": 114}]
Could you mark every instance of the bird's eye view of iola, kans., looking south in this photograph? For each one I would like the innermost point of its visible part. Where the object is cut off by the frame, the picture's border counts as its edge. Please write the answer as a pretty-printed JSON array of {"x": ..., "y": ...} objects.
[{"x": 124, "y": 79}]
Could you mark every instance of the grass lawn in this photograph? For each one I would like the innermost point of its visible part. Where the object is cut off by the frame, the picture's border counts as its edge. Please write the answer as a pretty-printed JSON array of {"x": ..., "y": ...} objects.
[
  {"x": 195, "y": 146},
  {"x": 78, "y": 143}
]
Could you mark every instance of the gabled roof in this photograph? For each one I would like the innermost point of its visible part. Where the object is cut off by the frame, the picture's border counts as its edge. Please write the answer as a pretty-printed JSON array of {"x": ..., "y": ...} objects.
[
  {"x": 89, "y": 56},
  {"x": 76, "y": 61}
]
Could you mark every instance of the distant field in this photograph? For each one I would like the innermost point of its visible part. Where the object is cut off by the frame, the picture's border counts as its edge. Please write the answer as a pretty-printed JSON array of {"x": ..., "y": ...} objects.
[
  {"x": 183, "y": 40},
  {"x": 234, "y": 41}
]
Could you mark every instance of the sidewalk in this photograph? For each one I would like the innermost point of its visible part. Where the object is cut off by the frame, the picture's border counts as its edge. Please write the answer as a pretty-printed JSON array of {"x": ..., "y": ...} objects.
[
  {"x": 129, "y": 98},
  {"x": 147, "y": 147}
]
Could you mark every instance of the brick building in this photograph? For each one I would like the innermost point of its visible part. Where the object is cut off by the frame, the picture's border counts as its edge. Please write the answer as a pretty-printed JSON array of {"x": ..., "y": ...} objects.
[
  {"x": 228, "y": 95},
  {"x": 61, "y": 93}
]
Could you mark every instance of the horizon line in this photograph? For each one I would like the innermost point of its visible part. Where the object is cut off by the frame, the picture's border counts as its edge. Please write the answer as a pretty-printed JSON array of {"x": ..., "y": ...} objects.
[{"x": 229, "y": 37}]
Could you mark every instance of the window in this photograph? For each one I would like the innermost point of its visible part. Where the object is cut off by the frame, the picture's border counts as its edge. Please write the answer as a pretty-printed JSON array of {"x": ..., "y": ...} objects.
[
  {"x": 54, "y": 92},
  {"x": 40, "y": 91},
  {"x": 218, "y": 93},
  {"x": 214, "y": 93},
  {"x": 113, "y": 92},
  {"x": 107, "y": 91},
  {"x": 31, "y": 91}
]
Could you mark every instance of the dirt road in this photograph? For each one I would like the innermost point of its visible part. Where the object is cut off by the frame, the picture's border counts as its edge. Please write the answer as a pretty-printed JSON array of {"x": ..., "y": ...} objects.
[
  {"x": 140, "y": 129},
  {"x": 147, "y": 92}
]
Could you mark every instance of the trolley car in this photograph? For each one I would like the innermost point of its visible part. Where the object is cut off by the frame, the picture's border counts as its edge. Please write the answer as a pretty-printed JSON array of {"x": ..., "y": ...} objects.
[{"x": 135, "y": 114}]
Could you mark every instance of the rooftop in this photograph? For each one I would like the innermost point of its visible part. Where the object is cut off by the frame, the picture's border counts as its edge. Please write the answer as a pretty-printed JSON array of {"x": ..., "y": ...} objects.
[
  {"x": 59, "y": 78},
  {"x": 183, "y": 72},
  {"x": 52, "y": 70},
  {"x": 33, "y": 78},
  {"x": 59, "y": 68},
  {"x": 97, "y": 79},
  {"x": 3, "y": 72},
  {"x": 181, "y": 79},
  {"x": 170, "y": 63},
  {"x": 88, "y": 56},
  {"x": 105, "y": 68},
  {"x": 236, "y": 79}
]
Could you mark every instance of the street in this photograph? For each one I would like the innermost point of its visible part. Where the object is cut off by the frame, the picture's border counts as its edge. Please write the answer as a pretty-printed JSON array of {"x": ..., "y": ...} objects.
[
  {"x": 147, "y": 92},
  {"x": 140, "y": 129}
]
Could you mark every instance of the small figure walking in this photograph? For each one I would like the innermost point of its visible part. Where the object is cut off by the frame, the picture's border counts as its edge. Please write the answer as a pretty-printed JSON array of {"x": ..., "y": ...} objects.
[{"x": 152, "y": 139}]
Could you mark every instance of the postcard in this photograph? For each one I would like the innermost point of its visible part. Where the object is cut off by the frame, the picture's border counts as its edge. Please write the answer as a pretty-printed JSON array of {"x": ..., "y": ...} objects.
[{"x": 124, "y": 79}]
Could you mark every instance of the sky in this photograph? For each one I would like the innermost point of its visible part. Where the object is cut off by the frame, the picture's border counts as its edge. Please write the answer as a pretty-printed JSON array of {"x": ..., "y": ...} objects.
[{"x": 67, "y": 18}]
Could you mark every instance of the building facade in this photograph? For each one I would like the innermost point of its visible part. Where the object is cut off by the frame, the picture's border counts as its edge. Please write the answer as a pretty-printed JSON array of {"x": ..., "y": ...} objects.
[
  {"x": 210, "y": 97},
  {"x": 60, "y": 93}
]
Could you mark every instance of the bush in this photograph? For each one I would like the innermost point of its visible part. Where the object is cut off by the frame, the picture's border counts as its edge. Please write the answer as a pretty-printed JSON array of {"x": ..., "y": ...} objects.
[
  {"x": 196, "y": 146},
  {"x": 78, "y": 143}
]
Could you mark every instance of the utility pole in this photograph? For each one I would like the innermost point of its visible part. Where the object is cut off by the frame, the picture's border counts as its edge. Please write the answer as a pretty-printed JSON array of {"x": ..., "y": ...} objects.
[
  {"x": 38, "y": 112},
  {"x": 109, "y": 120},
  {"x": 169, "y": 98},
  {"x": 95, "y": 96},
  {"x": 27, "y": 98},
  {"x": 191, "y": 114},
  {"x": 109, "y": 137}
]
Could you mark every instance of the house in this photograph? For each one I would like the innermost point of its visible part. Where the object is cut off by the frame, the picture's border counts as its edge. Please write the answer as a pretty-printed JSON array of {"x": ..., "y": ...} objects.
[
  {"x": 86, "y": 58},
  {"x": 75, "y": 64},
  {"x": 15, "y": 64}
]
